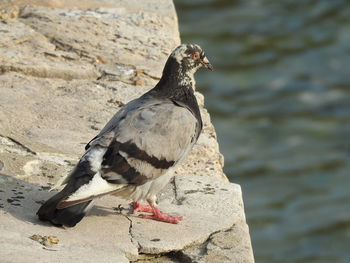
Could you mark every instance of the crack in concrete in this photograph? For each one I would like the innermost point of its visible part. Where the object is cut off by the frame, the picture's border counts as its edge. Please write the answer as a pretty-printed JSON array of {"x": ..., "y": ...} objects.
[
  {"x": 106, "y": 76},
  {"x": 133, "y": 241},
  {"x": 203, "y": 247},
  {"x": 24, "y": 14},
  {"x": 150, "y": 76},
  {"x": 60, "y": 45},
  {"x": 13, "y": 143},
  {"x": 130, "y": 257},
  {"x": 174, "y": 188}
]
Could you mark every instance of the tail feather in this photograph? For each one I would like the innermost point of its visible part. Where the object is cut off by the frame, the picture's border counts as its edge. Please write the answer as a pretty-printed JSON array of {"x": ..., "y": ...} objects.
[
  {"x": 56, "y": 209},
  {"x": 68, "y": 216}
]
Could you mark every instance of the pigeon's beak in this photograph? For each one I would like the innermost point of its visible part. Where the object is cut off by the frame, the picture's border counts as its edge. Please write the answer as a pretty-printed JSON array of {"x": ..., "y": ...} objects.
[{"x": 205, "y": 62}]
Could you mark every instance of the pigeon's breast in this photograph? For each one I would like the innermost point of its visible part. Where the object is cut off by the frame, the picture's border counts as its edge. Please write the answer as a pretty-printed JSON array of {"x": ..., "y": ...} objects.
[{"x": 163, "y": 131}]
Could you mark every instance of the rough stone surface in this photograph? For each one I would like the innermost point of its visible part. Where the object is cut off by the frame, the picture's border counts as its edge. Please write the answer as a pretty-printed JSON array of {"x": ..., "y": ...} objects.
[{"x": 65, "y": 69}]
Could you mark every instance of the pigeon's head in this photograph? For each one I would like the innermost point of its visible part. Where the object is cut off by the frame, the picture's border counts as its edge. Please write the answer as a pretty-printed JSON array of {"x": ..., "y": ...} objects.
[{"x": 191, "y": 57}]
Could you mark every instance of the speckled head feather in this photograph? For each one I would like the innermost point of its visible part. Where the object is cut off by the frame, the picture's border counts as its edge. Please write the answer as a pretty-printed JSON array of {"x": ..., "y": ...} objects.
[
  {"x": 181, "y": 65},
  {"x": 191, "y": 57}
]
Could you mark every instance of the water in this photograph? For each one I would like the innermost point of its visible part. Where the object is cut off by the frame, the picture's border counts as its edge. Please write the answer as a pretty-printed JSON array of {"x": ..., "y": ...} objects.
[{"x": 280, "y": 102}]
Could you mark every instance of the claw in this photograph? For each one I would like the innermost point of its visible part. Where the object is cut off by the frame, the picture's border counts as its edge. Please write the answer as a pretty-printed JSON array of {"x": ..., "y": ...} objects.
[
  {"x": 156, "y": 213},
  {"x": 137, "y": 207},
  {"x": 159, "y": 216}
]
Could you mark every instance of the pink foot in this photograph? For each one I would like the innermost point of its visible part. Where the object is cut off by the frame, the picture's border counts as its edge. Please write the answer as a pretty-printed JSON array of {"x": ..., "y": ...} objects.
[
  {"x": 137, "y": 207},
  {"x": 159, "y": 216}
]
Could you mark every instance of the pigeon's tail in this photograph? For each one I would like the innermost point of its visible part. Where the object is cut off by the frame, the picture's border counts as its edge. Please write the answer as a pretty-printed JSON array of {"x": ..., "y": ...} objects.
[
  {"x": 58, "y": 211},
  {"x": 68, "y": 216}
]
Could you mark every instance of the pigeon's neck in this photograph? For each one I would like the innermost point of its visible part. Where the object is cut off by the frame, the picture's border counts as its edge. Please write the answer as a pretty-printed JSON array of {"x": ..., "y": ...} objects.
[
  {"x": 178, "y": 80},
  {"x": 175, "y": 79},
  {"x": 178, "y": 86},
  {"x": 188, "y": 80}
]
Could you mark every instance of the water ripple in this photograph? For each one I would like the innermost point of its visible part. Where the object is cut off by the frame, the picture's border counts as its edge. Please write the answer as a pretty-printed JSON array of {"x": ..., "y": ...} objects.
[{"x": 280, "y": 101}]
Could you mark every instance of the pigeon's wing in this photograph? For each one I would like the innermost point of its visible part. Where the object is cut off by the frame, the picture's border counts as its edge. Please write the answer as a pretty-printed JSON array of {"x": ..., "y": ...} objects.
[
  {"x": 113, "y": 123},
  {"x": 148, "y": 141},
  {"x": 143, "y": 141}
]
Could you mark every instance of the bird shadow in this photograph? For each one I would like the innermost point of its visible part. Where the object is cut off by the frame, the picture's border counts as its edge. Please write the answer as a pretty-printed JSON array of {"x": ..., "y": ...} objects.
[{"x": 22, "y": 200}]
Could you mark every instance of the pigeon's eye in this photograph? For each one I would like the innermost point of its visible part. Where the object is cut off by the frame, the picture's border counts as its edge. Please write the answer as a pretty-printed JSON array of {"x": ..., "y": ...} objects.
[{"x": 195, "y": 55}]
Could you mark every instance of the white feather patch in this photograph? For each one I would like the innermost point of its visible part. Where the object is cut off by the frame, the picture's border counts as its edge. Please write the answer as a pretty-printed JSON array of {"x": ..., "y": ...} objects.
[
  {"x": 188, "y": 79},
  {"x": 96, "y": 186},
  {"x": 179, "y": 53},
  {"x": 95, "y": 157}
]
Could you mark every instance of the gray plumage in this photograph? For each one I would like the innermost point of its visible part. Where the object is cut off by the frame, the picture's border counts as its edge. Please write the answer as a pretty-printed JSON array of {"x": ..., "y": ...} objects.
[{"x": 136, "y": 153}]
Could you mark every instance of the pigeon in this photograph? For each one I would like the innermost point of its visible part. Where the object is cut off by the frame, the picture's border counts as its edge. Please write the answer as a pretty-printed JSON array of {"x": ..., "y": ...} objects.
[{"x": 136, "y": 153}]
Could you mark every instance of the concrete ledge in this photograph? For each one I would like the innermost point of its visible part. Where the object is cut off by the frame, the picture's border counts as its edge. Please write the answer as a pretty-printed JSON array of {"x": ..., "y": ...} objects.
[{"x": 65, "y": 70}]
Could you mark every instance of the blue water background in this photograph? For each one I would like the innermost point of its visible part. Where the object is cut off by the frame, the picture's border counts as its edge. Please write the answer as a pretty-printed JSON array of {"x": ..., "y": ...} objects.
[{"x": 280, "y": 101}]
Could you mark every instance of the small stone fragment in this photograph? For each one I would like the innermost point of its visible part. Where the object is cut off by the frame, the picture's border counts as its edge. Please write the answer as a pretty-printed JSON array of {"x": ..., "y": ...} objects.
[
  {"x": 100, "y": 60},
  {"x": 46, "y": 241},
  {"x": 138, "y": 82},
  {"x": 53, "y": 239}
]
